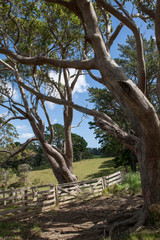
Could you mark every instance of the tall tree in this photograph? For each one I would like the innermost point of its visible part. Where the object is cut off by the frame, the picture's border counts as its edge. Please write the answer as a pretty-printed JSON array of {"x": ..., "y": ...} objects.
[
  {"x": 35, "y": 25},
  {"x": 104, "y": 101},
  {"x": 132, "y": 98}
]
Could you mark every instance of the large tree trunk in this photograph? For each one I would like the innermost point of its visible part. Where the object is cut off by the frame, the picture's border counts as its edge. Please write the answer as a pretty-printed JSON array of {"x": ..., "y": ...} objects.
[
  {"x": 58, "y": 164},
  {"x": 56, "y": 158},
  {"x": 149, "y": 163}
]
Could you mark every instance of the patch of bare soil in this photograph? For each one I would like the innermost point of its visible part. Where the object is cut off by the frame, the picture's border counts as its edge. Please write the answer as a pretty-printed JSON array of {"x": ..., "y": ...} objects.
[{"x": 87, "y": 220}]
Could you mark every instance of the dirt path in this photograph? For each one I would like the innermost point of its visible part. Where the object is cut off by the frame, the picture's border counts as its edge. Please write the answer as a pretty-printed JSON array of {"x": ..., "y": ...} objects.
[{"x": 87, "y": 220}]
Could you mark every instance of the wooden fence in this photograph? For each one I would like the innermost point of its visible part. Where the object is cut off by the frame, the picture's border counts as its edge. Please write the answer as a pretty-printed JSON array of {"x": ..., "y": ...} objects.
[{"x": 26, "y": 202}]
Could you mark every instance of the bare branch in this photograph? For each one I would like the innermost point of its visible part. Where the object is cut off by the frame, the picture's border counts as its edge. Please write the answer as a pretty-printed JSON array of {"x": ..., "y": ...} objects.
[
  {"x": 139, "y": 42},
  {"x": 96, "y": 78},
  {"x": 138, "y": 15},
  {"x": 82, "y": 119},
  {"x": 49, "y": 122},
  {"x": 6, "y": 65},
  {"x": 19, "y": 150},
  {"x": 6, "y": 151},
  {"x": 115, "y": 34},
  {"x": 41, "y": 60},
  {"x": 127, "y": 139},
  {"x": 12, "y": 118}
]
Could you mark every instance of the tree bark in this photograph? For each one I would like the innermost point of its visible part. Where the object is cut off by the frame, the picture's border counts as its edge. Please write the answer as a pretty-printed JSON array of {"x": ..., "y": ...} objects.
[
  {"x": 58, "y": 165},
  {"x": 149, "y": 162}
]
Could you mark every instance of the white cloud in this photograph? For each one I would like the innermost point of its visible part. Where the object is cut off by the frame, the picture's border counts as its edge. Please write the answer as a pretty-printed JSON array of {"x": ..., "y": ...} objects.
[
  {"x": 50, "y": 105},
  {"x": 21, "y": 127},
  {"x": 12, "y": 91},
  {"x": 54, "y": 121},
  {"x": 26, "y": 135},
  {"x": 5, "y": 114},
  {"x": 81, "y": 84}
]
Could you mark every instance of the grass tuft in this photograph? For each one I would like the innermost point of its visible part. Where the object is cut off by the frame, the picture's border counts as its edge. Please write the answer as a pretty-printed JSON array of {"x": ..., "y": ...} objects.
[{"x": 131, "y": 185}]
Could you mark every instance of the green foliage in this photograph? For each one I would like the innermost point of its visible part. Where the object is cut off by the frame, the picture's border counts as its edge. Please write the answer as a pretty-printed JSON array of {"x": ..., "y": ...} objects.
[
  {"x": 145, "y": 234},
  {"x": 7, "y": 132},
  {"x": 23, "y": 174},
  {"x": 79, "y": 144},
  {"x": 20, "y": 230},
  {"x": 79, "y": 147},
  {"x": 125, "y": 158},
  {"x": 131, "y": 185},
  {"x": 134, "y": 182},
  {"x": 82, "y": 169},
  {"x": 37, "y": 26},
  {"x": 154, "y": 216},
  {"x": 5, "y": 176}
]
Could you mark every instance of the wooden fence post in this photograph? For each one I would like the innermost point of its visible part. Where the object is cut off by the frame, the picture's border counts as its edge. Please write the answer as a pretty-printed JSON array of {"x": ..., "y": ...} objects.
[
  {"x": 56, "y": 194},
  {"x": 5, "y": 202},
  {"x": 104, "y": 183},
  {"x": 12, "y": 195},
  {"x": 25, "y": 198}
]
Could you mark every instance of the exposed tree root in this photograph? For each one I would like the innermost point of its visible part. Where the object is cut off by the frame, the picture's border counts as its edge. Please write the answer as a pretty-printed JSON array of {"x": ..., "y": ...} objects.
[{"x": 134, "y": 223}]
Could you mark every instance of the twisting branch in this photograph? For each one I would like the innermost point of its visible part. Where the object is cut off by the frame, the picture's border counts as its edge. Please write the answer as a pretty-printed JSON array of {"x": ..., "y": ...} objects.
[
  {"x": 41, "y": 60},
  {"x": 113, "y": 129},
  {"x": 139, "y": 42},
  {"x": 10, "y": 119},
  {"x": 96, "y": 78},
  {"x": 18, "y": 151},
  {"x": 12, "y": 19}
]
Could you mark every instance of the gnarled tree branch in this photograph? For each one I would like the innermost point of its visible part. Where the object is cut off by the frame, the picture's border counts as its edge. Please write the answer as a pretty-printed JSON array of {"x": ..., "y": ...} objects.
[{"x": 41, "y": 60}]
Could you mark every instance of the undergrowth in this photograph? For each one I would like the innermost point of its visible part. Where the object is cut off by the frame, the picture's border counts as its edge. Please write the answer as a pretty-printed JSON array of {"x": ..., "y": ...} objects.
[
  {"x": 19, "y": 230},
  {"x": 145, "y": 234},
  {"x": 131, "y": 184}
]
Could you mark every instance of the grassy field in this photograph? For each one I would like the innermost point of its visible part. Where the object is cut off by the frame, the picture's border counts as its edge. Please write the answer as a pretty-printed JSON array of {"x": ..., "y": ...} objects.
[{"x": 84, "y": 169}]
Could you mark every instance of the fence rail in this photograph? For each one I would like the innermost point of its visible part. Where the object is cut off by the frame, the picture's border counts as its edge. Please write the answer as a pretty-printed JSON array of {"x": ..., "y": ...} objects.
[{"x": 26, "y": 202}]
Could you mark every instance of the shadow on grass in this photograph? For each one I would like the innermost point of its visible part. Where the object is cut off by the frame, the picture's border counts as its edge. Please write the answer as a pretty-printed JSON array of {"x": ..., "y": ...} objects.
[
  {"x": 106, "y": 168},
  {"x": 20, "y": 230}
]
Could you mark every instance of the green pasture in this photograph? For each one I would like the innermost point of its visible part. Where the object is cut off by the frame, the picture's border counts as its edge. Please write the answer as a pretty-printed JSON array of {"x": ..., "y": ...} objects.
[{"x": 84, "y": 169}]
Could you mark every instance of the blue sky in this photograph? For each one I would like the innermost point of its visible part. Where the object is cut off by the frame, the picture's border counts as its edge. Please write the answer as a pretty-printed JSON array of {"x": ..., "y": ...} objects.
[{"x": 79, "y": 97}]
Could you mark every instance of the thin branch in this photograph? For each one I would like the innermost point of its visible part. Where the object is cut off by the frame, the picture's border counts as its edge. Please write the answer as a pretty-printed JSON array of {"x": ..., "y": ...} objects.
[
  {"x": 12, "y": 19},
  {"x": 138, "y": 15},
  {"x": 6, "y": 65},
  {"x": 19, "y": 150},
  {"x": 96, "y": 78},
  {"x": 123, "y": 10},
  {"x": 82, "y": 119},
  {"x": 75, "y": 80},
  {"x": 114, "y": 130},
  {"x": 6, "y": 151},
  {"x": 115, "y": 34},
  {"x": 12, "y": 118},
  {"x": 144, "y": 9}
]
